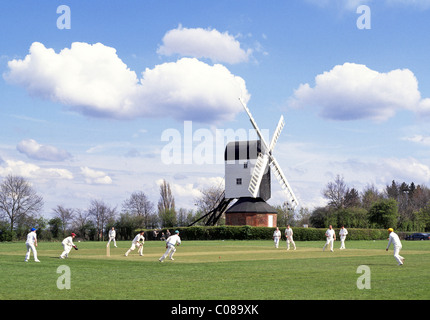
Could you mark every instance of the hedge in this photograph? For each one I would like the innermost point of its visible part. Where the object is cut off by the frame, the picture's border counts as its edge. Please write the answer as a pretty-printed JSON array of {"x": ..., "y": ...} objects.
[{"x": 264, "y": 233}]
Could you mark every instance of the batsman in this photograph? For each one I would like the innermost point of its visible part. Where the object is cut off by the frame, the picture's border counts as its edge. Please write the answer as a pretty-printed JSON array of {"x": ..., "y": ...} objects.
[{"x": 138, "y": 242}]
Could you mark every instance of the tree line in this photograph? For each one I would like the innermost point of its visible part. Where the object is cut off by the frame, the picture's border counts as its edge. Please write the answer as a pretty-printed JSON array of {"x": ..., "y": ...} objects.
[
  {"x": 402, "y": 206},
  {"x": 21, "y": 207}
]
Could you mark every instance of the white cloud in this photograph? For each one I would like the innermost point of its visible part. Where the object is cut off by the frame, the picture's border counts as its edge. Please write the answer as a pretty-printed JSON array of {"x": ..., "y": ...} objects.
[
  {"x": 93, "y": 80},
  {"x": 37, "y": 151},
  {"x": 353, "y": 91},
  {"x": 203, "y": 43},
  {"x": 28, "y": 170},
  {"x": 408, "y": 169},
  {"x": 95, "y": 177},
  {"x": 420, "y": 139}
]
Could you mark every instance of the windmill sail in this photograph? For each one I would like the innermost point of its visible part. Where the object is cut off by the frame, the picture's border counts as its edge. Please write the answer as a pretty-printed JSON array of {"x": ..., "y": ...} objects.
[
  {"x": 266, "y": 159},
  {"x": 277, "y": 133},
  {"x": 258, "y": 173},
  {"x": 291, "y": 198},
  {"x": 254, "y": 124}
]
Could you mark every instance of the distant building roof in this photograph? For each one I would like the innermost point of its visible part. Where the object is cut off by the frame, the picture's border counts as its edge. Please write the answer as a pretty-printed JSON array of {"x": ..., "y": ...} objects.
[
  {"x": 240, "y": 150},
  {"x": 251, "y": 205}
]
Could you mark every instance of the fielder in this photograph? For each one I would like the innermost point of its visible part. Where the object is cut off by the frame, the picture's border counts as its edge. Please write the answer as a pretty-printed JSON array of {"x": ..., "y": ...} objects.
[
  {"x": 68, "y": 245},
  {"x": 276, "y": 237},
  {"x": 289, "y": 236},
  {"x": 31, "y": 245},
  {"x": 395, "y": 240},
  {"x": 112, "y": 235},
  {"x": 342, "y": 233},
  {"x": 171, "y": 244},
  {"x": 331, "y": 237},
  {"x": 136, "y": 243}
]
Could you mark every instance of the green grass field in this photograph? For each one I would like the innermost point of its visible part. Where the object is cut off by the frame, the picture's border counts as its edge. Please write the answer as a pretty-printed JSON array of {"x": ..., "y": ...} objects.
[{"x": 217, "y": 270}]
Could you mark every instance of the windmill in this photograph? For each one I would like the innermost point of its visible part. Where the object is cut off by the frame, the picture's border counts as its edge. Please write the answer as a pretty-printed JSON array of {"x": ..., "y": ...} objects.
[
  {"x": 265, "y": 159},
  {"x": 247, "y": 179}
]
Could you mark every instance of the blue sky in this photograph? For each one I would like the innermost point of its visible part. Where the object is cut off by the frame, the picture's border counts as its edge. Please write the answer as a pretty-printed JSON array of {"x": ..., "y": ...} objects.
[{"x": 83, "y": 110}]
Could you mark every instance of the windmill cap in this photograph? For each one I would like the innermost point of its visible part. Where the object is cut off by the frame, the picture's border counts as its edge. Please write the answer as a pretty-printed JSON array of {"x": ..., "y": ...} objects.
[
  {"x": 177, "y": 231},
  {"x": 390, "y": 229},
  {"x": 73, "y": 234},
  {"x": 33, "y": 229}
]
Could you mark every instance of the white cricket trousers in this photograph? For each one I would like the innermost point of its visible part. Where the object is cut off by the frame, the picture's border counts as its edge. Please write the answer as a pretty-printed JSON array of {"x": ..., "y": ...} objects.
[
  {"x": 276, "y": 240},
  {"x": 133, "y": 246},
  {"x": 66, "y": 251},
  {"x": 290, "y": 240},
  {"x": 342, "y": 242},
  {"x": 31, "y": 247},
  {"x": 397, "y": 255},
  {"x": 330, "y": 242},
  {"x": 110, "y": 239},
  {"x": 171, "y": 249}
]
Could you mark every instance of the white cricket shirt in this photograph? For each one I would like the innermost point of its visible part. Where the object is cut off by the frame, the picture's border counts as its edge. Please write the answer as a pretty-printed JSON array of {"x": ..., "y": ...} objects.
[
  {"x": 330, "y": 233},
  {"x": 395, "y": 240},
  {"x": 173, "y": 240},
  {"x": 31, "y": 237}
]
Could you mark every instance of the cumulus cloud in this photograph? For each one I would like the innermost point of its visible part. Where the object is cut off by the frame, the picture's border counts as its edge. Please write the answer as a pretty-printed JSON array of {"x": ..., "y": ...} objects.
[
  {"x": 203, "y": 43},
  {"x": 420, "y": 139},
  {"x": 353, "y": 91},
  {"x": 93, "y": 80},
  {"x": 37, "y": 151},
  {"x": 409, "y": 168},
  {"x": 95, "y": 177},
  {"x": 28, "y": 170}
]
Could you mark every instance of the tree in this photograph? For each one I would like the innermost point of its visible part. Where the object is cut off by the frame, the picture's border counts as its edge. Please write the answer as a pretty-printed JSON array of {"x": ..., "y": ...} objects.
[
  {"x": 285, "y": 215},
  {"x": 166, "y": 206},
  {"x": 101, "y": 214},
  {"x": 370, "y": 195},
  {"x": 303, "y": 217},
  {"x": 209, "y": 199},
  {"x": 322, "y": 217},
  {"x": 335, "y": 192},
  {"x": 18, "y": 199},
  {"x": 352, "y": 198},
  {"x": 384, "y": 214},
  {"x": 65, "y": 215},
  {"x": 81, "y": 223},
  {"x": 139, "y": 205},
  {"x": 353, "y": 217},
  {"x": 55, "y": 227}
]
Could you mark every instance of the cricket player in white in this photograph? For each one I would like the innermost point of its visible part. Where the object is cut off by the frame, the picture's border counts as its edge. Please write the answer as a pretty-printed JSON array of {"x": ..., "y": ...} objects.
[
  {"x": 342, "y": 233},
  {"x": 395, "y": 240},
  {"x": 136, "y": 243},
  {"x": 112, "y": 235},
  {"x": 171, "y": 244},
  {"x": 31, "y": 245},
  {"x": 289, "y": 235},
  {"x": 331, "y": 237},
  {"x": 67, "y": 246},
  {"x": 276, "y": 237}
]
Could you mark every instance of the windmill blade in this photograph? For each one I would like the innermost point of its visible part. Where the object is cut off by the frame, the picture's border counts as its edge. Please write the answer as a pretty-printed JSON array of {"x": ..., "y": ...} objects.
[
  {"x": 277, "y": 133},
  {"x": 291, "y": 198},
  {"x": 258, "y": 173},
  {"x": 254, "y": 124}
]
